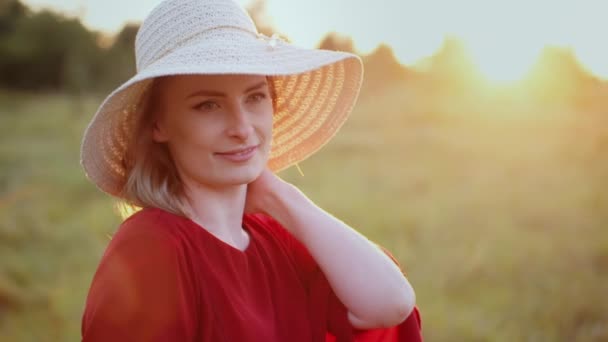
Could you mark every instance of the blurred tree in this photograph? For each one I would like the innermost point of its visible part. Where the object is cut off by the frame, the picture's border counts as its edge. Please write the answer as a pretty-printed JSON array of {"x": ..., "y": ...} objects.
[
  {"x": 557, "y": 76},
  {"x": 259, "y": 15},
  {"x": 10, "y": 12},
  {"x": 47, "y": 51},
  {"x": 33, "y": 54},
  {"x": 119, "y": 59},
  {"x": 336, "y": 42},
  {"x": 451, "y": 69},
  {"x": 81, "y": 63},
  {"x": 383, "y": 70}
]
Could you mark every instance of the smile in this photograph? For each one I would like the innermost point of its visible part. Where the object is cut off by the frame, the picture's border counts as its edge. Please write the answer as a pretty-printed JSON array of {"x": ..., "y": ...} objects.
[{"x": 240, "y": 155}]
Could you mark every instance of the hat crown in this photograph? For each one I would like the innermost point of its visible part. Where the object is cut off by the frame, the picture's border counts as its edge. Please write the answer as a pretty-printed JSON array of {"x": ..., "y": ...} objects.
[{"x": 174, "y": 23}]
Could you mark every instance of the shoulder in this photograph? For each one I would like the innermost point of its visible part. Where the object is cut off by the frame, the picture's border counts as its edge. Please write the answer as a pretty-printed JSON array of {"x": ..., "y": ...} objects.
[
  {"x": 144, "y": 231},
  {"x": 146, "y": 220},
  {"x": 141, "y": 251}
]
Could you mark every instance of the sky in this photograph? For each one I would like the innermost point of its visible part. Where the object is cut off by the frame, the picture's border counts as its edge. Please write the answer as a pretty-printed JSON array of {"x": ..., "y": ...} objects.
[{"x": 503, "y": 36}]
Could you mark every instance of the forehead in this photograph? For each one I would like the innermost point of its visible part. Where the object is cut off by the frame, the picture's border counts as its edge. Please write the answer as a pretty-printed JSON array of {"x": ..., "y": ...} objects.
[{"x": 179, "y": 84}]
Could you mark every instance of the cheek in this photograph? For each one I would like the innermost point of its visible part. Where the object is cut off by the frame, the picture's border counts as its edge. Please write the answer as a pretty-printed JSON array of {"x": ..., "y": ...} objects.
[
  {"x": 191, "y": 143},
  {"x": 262, "y": 119},
  {"x": 268, "y": 125},
  {"x": 268, "y": 121}
]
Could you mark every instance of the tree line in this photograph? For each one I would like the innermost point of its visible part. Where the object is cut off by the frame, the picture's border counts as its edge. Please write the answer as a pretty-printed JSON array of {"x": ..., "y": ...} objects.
[{"x": 46, "y": 51}]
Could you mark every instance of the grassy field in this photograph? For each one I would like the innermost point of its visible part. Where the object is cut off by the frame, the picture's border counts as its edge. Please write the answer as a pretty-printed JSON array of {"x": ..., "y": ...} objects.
[{"x": 497, "y": 210}]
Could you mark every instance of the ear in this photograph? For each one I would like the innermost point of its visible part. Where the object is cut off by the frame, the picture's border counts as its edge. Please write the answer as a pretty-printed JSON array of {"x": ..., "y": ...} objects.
[{"x": 159, "y": 132}]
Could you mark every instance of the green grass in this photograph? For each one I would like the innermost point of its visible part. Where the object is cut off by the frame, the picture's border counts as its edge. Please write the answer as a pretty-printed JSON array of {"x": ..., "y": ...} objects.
[{"x": 497, "y": 212}]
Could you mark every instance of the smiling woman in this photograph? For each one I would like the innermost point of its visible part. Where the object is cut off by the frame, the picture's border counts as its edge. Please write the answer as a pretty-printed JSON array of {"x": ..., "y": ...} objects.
[{"x": 223, "y": 249}]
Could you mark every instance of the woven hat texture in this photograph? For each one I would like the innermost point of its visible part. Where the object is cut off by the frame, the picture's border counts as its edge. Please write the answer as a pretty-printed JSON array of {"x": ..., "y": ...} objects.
[{"x": 316, "y": 89}]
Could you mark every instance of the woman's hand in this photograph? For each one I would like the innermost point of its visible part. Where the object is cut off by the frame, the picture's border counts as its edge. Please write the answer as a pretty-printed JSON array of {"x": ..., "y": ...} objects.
[{"x": 263, "y": 193}]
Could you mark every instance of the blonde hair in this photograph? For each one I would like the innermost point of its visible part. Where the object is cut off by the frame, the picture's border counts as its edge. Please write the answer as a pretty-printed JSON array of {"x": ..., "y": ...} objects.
[{"x": 152, "y": 178}]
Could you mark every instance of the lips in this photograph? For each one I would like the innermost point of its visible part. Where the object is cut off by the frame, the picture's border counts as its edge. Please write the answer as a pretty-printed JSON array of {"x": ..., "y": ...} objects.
[{"x": 239, "y": 155}]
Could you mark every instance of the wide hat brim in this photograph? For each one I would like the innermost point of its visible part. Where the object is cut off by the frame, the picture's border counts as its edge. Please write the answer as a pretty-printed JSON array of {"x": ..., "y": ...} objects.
[{"x": 315, "y": 89}]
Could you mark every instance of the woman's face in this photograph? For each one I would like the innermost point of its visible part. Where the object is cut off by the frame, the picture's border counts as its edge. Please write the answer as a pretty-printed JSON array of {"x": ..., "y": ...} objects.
[{"x": 218, "y": 127}]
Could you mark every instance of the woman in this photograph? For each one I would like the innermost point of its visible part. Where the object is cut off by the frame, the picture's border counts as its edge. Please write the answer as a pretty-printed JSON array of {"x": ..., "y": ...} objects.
[{"x": 224, "y": 250}]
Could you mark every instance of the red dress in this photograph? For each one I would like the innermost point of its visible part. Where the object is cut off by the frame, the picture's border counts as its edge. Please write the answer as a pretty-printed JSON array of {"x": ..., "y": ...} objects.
[{"x": 164, "y": 278}]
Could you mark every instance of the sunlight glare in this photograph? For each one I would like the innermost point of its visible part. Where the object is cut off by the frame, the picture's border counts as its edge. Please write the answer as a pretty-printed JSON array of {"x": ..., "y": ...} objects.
[
  {"x": 505, "y": 61},
  {"x": 503, "y": 38}
]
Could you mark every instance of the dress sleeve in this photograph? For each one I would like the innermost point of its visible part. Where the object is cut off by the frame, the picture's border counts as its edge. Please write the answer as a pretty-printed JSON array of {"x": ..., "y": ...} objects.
[{"x": 140, "y": 292}]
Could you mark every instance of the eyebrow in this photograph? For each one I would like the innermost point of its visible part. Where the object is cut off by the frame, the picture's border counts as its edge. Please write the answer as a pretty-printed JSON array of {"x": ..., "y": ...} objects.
[{"x": 220, "y": 94}]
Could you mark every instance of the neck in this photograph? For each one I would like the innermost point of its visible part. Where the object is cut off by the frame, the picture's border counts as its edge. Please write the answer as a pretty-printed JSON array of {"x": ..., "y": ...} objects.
[{"x": 218, "y": 210}]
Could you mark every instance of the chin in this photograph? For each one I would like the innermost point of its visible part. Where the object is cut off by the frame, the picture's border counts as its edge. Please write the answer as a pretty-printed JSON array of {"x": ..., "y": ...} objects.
[{"x": 242, "y": 175}]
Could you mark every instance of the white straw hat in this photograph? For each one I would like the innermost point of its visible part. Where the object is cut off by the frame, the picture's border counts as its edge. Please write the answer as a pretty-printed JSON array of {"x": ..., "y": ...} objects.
[{"x": 315, "y": 89}]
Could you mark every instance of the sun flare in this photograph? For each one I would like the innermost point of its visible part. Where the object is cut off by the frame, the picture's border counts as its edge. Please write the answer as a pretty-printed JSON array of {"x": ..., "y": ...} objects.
[{"x": 505, "y": 62}]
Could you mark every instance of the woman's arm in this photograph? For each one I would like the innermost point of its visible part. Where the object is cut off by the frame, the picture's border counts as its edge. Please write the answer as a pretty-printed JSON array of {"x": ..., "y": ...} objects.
[{"x": 364, "y": 278}]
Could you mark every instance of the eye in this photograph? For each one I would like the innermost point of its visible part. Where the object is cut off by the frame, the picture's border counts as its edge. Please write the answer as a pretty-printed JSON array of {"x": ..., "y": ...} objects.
[
  {"x": 206, "y": 106},
  {"x": 257, "y": 97}
]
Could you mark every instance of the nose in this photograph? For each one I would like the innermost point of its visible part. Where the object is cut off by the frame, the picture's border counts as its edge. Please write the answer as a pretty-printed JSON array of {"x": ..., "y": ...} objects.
[{"x": 239, "y": 123}]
